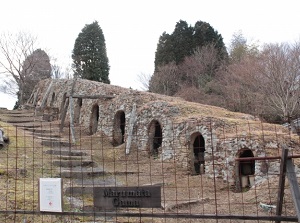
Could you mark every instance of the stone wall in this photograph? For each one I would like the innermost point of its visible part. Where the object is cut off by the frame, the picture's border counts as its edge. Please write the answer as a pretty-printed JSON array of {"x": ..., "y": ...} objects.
[{"x": 101, "y": 107}]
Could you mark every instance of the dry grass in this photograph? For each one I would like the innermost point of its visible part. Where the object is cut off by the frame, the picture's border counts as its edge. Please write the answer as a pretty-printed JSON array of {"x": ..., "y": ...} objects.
[
  {"x": 23, "y": 162},
  {"x": 181, "y": 192}
]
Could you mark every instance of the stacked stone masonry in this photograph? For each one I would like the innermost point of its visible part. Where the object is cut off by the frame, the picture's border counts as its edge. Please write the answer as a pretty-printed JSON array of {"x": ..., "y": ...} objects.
[{"x": 167, "y": 127}]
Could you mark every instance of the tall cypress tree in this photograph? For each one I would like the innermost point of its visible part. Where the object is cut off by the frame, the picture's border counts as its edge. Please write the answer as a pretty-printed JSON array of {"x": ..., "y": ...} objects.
[
  {"x": 176, "y": 48},
  {"x": 184, "y": 40},
  {"x": 204, "y": 34},
  {"x": 164, "y": 53},
  {"x": 89, "y": 56}
]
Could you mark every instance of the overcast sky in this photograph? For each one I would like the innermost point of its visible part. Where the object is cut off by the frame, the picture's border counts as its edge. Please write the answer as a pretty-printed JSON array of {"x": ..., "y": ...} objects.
[{"x": 132, "y": 27}]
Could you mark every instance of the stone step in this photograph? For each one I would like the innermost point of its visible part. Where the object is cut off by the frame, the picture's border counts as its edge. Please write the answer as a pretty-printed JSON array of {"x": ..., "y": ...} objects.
[
  {"x": 91, "y": 172},
  {"x": 66, "y": 152},
  {"x": 79, "y": 190},
  {"x": 47, "y": 137},
  {"x": 54, "y": 143},
  {"x": 17, "y": 120},
  {"x": 72, "y": 163},
  {"x": 39, "y": 130},
  {"x": 12, "y": 112},
  {"x": 28, "y": 125},
  {"x": 69, "y": 157},
  {"x": 29, "y": 106},
  {"x": 18, "y": 115},
  {"x": 80, "y": 173}
]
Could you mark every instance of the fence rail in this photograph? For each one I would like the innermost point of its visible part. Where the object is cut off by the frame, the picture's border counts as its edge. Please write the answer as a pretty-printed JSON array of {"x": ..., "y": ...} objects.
[{"x": 200, "y": 181}]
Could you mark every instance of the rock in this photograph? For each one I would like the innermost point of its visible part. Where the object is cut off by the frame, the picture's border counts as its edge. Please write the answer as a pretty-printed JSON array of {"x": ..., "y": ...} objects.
[{"x": 3, "y": 138}]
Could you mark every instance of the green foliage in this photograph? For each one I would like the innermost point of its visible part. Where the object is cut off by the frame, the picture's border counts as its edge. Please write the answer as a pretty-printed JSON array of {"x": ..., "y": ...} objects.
[
  {"x": 239, "y": 47},
  {"x": 164, "y": 53},
  {"x": 89, "y": 56},
  {"x": 204, "y": 34},
  {"x": 184, "y": 40},
  {"x": 196, "y": 52}
]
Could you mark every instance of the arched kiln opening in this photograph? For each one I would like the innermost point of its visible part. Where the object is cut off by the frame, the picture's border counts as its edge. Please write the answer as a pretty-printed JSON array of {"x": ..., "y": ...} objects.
[
  {"x": 246, "y": 168},
  {"x": 94, "y": 119},
  {"x": 155, "y": 137},
  {"x": 119, "y": 128},
  {"x": 198, "y": 151}
]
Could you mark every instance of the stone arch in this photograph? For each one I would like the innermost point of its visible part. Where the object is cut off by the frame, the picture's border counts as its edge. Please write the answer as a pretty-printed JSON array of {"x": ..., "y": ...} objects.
[
  {"x": 52, "y": 99},
  {"x": 119, "y": 128},
  {"x": 197, "y": 145},
  {"x": 155, "y": 137},
  {"x": 94, "y": 119},
  {"x": 245, "y": 168},
  {"x": 77, "y": 110}
]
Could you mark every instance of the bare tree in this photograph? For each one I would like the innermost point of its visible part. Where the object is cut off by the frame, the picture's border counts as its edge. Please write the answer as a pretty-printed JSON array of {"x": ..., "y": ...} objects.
[
  {"x": 266, "y": 84},
  {"x": 239, "y": 84},
  {"x": 280, "y": 78},
  {"x": 59, "y": 71},
  {"x": 14, "y": 49},
  {"x": 21, "y": 64},
  {"x": 144, "y": 80},
  {"x": 165, "y": 80},
  {"x": 200, "y": 68}
]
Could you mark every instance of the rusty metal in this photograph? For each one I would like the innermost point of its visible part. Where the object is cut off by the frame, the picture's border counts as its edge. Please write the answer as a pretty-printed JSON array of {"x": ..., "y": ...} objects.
[
  {"x": 184, "y": 194},
  {"x": 266, "y": 158},
  {"x": 159, "y": 215},
  {"x": 280, "y": 193}
]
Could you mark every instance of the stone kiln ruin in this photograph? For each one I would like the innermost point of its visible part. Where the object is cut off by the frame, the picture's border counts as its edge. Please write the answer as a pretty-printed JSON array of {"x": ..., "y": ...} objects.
[{"x": 197, "y": 137}]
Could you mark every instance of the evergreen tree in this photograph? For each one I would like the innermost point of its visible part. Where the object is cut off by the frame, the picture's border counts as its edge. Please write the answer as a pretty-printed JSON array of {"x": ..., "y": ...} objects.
[
  {"x": 197, "y": 51},
  {"x": 164, "y": 53},
  {"x": 204, "y": 34},
  {"x": 89, "y": 56},
  {"x": 239, "y": 47},
  {"x": 36, "y": 67},
  {"x": 184, "y": 40}
]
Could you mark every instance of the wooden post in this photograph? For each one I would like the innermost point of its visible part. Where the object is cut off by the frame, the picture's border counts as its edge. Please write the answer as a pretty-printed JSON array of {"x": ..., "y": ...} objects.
[
  {"x": 295, "y": 191},
  {"x": 280, "y": 194},
  {"x": 63, "y": 115}
]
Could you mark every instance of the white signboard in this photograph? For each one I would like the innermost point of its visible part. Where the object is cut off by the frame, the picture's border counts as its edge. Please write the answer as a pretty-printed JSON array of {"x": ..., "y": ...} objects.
[{"x": 50, "y": 194}]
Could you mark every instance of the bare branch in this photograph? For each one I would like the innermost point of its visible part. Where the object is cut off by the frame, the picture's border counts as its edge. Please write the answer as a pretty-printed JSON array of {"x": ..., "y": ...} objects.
[
  {"x": 144, "y": 80},
  {"x": 21, "y": 64}
]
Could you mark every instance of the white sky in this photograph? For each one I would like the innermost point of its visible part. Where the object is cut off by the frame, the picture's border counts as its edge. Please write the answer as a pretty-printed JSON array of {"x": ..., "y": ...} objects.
[{"x": 132, "y": 28}]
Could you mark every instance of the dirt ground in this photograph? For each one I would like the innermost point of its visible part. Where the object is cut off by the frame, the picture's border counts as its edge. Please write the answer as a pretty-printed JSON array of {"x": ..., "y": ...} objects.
[{"x": 182, "y": 193}]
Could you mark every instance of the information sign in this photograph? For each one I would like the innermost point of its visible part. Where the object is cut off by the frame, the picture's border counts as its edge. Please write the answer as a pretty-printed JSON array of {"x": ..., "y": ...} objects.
[
  {"x": 50, "y": 194},
  {"x": 127, "y": 197}
]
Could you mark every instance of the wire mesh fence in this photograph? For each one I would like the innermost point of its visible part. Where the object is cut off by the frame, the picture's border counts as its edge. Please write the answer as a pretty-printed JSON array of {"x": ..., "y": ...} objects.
[{"x": 203, "y": 179}]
